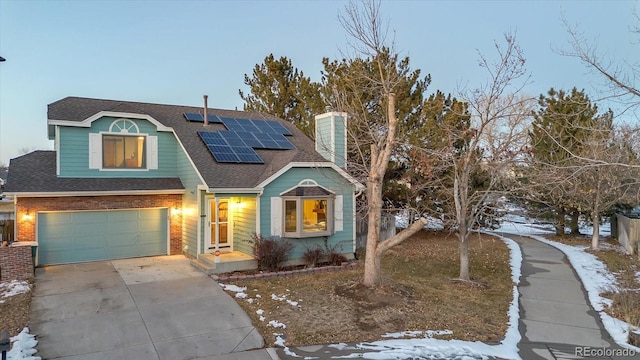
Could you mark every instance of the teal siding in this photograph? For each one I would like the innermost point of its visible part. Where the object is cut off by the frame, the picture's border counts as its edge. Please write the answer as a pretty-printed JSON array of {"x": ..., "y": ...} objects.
[
  {"x": 190, "y": 211},
  {"x": 244, "y": 223},
  {"x": 340, "y": 145},
  {"x": 331, "y": 142},
  {"x": 74, "y": 151},
  {"x": 330, "y": 179},
  {"x": 72, "y": 237},
  {"x": 323, "y": 137}
]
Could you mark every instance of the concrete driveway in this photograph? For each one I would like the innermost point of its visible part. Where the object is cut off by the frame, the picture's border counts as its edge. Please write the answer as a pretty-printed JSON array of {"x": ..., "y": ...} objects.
[{"x": 145, "y": 308}]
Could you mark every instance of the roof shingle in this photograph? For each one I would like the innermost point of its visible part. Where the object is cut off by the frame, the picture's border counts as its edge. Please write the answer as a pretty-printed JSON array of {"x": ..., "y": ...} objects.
[
  {"x": 216, "y": 175},
  {"x": 36, "y": 172}
]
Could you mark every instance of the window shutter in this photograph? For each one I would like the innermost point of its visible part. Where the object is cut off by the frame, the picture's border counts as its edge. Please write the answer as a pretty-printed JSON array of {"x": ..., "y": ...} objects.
[
  {"x": 276, "y": 216},
  {"x": 95, "y": 151},
  {"x": 152, "y": 152},
  {"x": 339, "y": 213}
]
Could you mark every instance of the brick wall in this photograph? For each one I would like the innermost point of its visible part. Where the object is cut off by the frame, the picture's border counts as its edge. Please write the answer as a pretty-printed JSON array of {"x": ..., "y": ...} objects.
[
  {"x": 29, "y": 207},
  {"x": 16, "y": 263}
]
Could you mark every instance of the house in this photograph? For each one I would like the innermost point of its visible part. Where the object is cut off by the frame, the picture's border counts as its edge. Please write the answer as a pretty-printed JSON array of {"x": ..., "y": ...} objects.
[{"x": 130, "y": 179}]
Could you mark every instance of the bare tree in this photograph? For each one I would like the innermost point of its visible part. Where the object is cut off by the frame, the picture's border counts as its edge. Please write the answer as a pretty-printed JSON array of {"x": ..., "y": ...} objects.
[
  {"x": 621, "y": 77},
  {"x": 493, "y": 143},
  {"x": 373, "y": 132}
]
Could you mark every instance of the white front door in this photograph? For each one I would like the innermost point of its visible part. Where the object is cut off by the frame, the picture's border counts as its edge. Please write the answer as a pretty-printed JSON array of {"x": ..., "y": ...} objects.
[{"x": 219, "y": 236}]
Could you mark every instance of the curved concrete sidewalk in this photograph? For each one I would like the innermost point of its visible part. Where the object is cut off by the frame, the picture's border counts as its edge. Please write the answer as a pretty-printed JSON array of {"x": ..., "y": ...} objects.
[{"x": 556, "y": 319}]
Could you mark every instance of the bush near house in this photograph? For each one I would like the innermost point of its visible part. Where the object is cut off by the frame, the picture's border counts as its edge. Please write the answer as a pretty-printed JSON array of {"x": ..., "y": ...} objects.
[{"x": 270, "y": 252}]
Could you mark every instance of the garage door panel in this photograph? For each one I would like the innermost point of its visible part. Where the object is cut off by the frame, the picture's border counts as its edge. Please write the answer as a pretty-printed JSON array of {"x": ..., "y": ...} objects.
[{"x": 69, "y": 237}]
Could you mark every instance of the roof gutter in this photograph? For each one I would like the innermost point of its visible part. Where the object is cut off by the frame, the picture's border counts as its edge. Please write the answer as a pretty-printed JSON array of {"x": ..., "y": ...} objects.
[
  {"x": 236, "y": 190},
  {"x": 96, "y": 193}
]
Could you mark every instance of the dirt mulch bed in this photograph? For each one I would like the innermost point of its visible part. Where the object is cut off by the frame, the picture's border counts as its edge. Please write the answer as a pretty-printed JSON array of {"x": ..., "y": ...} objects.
[
  {"x": 419, "y": 293},
  {"x": 15, "y": 312}
]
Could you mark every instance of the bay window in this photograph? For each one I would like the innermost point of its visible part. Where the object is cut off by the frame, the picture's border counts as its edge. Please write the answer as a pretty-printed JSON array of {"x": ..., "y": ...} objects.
[{"x": 308, "y": 216}]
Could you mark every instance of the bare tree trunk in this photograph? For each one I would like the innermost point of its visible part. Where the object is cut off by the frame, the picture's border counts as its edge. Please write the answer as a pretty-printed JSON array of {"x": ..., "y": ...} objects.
[
  {"x": 596, "y": 232},
  {"x": 460, "y": 188},
  {"x": 464, "y": 254},
  {"x": 560, "y": 222},
  {"x": 372, "y": 259},
  {"x": 574, "y": 223},
  {"x": 595, "y": 218},
  {"x": 379, "y": 162}
]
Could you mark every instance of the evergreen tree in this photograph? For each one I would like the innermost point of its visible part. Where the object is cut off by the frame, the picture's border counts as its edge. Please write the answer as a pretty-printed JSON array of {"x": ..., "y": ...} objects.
[
  {"x": 561, "y": 127},
  {"x": 278, "y": 88}
]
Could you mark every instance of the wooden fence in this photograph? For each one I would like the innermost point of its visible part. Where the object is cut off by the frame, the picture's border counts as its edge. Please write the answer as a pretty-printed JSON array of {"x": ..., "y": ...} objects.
[{"x": 387, "y": 228}]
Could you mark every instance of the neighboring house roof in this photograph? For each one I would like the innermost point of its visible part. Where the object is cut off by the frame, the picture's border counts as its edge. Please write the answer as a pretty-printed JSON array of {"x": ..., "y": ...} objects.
[
  {"x": 216, "y": 175},
  {"x": 36, "y": 173}
]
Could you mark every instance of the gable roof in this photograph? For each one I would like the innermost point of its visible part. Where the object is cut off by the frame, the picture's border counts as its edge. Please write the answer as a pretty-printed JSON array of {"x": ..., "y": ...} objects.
[
  {"x": 36, "y": 173},
  {"x": 215, "y": 174}
]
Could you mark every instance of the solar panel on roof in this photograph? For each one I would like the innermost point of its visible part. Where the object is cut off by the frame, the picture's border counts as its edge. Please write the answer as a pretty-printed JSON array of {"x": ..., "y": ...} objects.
[
  {"x": 223, "y": 157},
  {"x": 212, "y": 138},
  {"x": 282, "y": 142},
  {"x": 250, "y": 140},
  {"x": 279, "y": 128},
  {"x": 237, "y": 143},
  {"x": 194, "y": 117},
  {"x": 250, "y": 158},
  {"x": 214, "y": 119}
]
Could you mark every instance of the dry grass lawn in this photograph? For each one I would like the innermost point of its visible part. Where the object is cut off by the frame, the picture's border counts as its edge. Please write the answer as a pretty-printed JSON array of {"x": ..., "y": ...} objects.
[{"x": 418, "y": 294}]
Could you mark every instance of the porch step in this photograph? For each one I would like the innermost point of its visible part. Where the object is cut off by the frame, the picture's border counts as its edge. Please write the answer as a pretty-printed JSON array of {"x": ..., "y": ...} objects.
[{"x": 229, "y": 262}]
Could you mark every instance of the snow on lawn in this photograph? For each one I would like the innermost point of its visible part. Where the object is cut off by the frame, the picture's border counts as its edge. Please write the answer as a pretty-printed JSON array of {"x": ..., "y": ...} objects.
[
  {"x": 428, "y": 348},
  {"x": 596, "y": 279},
  {"x": 416, "y": 333},
  {"x": 233, "y": 288},
  {"x": 13, "y": 288},
  {"x": 23, "y": 346}
]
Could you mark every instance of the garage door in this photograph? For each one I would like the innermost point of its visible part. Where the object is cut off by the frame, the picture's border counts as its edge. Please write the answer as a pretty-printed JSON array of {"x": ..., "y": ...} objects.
[{"x": 72, "y": 237}]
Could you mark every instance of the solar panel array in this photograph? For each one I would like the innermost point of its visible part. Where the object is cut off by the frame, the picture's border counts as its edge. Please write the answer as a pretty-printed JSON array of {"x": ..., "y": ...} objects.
[
  {"x": 237, "y": 144},
  {"x": 200, "y": 118}
]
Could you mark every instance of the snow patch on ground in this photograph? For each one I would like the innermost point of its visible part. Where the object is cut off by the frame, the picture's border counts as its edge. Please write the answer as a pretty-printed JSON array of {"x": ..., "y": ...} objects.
[
  {"x": 277, "y": 324},
  {"x": 428, "y": 348},
  {"x": 233, "y": 288},
  {"x": 417, "y": 333},
  {"x": 241, "y": 295},
  {"x": 596, "y": 279},
  {"x": 13, "y": 288},
  {"x": 23, "y": 346},
  {"x": 259, "y": 311},
  {"x": 278, "y": 298}
]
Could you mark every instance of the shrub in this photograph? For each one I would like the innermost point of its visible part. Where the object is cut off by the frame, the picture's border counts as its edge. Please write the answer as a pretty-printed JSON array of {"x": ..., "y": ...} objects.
[
  {"x": 313, "y": 257},
  {"x": 270, "y": 252},
  {"x": 335, "y": 258}
]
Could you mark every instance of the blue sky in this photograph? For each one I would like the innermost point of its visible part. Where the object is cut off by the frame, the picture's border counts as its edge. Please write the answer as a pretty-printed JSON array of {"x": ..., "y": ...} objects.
[{"x": 173, "y": 52}]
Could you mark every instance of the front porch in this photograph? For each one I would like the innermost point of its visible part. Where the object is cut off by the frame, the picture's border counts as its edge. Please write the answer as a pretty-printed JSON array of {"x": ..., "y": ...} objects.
[{"x": 229, "y": 262}]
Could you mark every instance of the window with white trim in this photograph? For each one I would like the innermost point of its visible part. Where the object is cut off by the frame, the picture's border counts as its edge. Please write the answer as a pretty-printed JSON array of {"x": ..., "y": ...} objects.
[
  {"x": 307, "y": 211},
  {"x": 127, "y": 152},
  {"x": 123, "y": 147}
]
